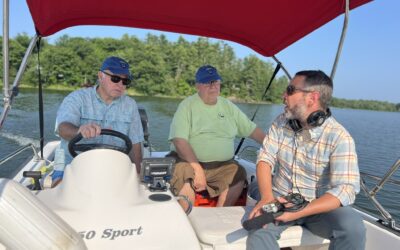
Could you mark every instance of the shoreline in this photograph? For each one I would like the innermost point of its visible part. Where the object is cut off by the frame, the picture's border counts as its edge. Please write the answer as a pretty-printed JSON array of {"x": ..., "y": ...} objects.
[{"x": 132, "y": 92}]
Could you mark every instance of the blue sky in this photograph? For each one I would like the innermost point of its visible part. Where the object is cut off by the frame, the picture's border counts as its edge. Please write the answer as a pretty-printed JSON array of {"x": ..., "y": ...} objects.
[{"x": 366, "y": 69}]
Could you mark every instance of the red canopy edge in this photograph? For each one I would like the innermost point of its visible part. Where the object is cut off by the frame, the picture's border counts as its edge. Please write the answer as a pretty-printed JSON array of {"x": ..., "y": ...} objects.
[{"x": 266, "y": 26}]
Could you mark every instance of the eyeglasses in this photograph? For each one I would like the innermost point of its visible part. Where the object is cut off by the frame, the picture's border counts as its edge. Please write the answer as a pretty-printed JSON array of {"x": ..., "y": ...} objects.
[
  {"x": 117, "y": 79},
  {"x": 291, "y": 89},
  {"x": 212, "y": 83}
]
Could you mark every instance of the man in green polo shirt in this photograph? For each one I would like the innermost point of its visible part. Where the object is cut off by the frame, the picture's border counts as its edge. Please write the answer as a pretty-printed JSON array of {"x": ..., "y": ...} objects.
[{"x": 202, "y": 133}]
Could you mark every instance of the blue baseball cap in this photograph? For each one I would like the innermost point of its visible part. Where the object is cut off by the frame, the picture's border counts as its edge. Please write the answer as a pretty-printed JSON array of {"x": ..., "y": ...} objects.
[
  {"x": 116, "y": 66},
  {"x": 206, "y": 74}
]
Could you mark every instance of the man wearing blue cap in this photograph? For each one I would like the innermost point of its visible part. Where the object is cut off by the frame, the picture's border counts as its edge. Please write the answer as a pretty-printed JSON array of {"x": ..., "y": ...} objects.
[
  {"x": 202, "y": 133},
  {"x": 105, "y": 105}
]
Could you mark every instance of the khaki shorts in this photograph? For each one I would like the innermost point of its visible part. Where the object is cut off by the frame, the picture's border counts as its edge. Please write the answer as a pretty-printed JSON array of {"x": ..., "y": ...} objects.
[{"x": 219, "y": 175}]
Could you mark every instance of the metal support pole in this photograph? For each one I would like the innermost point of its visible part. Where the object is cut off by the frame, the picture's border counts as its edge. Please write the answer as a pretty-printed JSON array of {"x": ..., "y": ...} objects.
[
  {"x": 6, "y": 62},
  {"x": 24, "y": 62},
  {"x": 342, "y": 37},
  {"x": 384, "y": 179},
  {"x": 282, "y": 66},
  {"x": 9, "y": 98}
]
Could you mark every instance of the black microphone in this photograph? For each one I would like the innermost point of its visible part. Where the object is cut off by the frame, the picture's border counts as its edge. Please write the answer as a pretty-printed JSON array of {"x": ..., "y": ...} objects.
[{"x": 259, "y": 221}]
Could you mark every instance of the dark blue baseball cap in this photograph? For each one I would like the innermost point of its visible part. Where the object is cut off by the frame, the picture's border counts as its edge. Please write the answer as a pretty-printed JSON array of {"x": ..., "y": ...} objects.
[
  {"x": 116, "y": 66},
  {"x": 206, "y": 74}
]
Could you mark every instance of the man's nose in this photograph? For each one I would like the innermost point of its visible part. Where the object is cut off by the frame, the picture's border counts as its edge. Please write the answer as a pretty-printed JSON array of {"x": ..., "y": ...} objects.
[{"x": 284, "y": 95}]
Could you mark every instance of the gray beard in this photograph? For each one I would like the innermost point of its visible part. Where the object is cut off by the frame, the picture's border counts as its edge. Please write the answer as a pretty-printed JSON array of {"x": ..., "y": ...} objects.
[
  {"x": 297, "y": 112},
  {"x": 288, "y": 115}
]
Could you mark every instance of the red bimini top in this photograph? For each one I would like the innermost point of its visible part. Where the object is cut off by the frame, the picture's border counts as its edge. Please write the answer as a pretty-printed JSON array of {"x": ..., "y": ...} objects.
[{"x": 266, "y": 26}]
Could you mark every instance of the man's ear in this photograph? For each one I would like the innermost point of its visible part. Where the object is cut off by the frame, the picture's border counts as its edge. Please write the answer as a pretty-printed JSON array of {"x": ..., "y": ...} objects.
[
  {"x": 100, "y": 75},
  {"x": 313, "y": 98}
]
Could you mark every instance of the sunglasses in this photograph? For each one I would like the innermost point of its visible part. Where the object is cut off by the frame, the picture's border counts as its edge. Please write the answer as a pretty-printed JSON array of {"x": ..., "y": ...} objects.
[
  {"x": 290, "y": 90},
  {"x": 117, "y": 79}
]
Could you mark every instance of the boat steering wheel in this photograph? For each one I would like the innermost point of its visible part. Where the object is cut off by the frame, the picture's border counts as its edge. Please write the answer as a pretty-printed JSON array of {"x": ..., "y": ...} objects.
[{"x": 73, "y": 147}]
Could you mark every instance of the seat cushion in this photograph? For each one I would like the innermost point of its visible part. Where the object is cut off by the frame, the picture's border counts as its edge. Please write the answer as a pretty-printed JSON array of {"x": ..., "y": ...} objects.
[{"x": 222, "y": 226}]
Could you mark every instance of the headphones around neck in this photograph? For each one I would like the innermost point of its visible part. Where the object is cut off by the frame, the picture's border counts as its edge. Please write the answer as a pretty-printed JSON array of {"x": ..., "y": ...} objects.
[{"x": 315, "y": 119}]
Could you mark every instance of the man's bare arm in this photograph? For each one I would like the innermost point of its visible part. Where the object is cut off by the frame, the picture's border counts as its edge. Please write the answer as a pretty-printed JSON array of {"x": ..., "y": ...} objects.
[
  {"x": 258, "y": 135},
  {"x": 264, "y": 177},
  {"x": 68, "y": 130},
  {"x": 136, "y": 155}
]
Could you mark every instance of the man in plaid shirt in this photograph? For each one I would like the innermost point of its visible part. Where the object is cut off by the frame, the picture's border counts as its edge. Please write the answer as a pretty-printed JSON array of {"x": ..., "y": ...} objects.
[{"x": 307, "y": 151}]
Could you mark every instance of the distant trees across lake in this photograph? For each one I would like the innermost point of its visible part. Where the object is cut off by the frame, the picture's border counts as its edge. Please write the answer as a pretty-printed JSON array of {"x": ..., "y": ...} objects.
[{"x": 159, "y": 66}]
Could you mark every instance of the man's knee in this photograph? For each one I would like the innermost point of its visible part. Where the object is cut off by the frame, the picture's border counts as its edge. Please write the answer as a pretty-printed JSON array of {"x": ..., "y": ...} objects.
[
  {"x": 354, "y": 231},
  {"x": 187, "y": 190},
  {"x": 349, "y": 229},
  {"x": 262, "y": 239},
  {"x": 350, "y": 221}
]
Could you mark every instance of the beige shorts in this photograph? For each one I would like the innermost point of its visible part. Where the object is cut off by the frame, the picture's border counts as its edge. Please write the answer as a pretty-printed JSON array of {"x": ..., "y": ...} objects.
[{"x": 219, "y": 175}]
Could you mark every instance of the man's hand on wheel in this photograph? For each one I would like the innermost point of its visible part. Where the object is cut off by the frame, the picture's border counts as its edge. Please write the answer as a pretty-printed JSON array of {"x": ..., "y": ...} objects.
[{"x": 89, "y": 130}]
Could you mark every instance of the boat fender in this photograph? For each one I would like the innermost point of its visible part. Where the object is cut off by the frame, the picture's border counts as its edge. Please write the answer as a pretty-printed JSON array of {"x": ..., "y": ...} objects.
[{"x": 27, "y": 223}]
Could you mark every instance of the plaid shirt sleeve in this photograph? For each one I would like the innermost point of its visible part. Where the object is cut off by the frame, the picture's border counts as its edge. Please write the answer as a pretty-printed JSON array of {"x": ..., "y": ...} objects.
[
  {"x": 270, "y": 147},
  {"x": 345, "y": 175}
]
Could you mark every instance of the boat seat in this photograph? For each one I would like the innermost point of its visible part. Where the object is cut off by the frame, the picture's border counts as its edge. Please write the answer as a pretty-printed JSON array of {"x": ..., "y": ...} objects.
[
  {"x": 203, "y": 199},
  {"x": 221, "y": 228}
]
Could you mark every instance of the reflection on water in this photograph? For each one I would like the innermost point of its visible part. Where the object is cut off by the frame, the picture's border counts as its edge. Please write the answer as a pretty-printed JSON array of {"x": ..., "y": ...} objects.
[{"x": 376, "y": 134}]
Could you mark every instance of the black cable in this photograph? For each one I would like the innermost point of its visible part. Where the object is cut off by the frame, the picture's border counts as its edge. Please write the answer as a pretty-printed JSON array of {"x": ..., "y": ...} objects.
[
  {"x": 294, "y": 183},
  {"x": 274, "y": 210},
  {"x": 278, "y": 67},
  {"x": 41, "y": 116}
]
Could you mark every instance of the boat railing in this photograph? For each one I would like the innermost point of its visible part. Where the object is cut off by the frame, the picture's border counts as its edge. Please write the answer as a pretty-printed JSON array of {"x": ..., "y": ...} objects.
[
  {"x": 249, "y": 153},
  {"x": 10, "y": 156},
  {"x": 389, "y": 221}
]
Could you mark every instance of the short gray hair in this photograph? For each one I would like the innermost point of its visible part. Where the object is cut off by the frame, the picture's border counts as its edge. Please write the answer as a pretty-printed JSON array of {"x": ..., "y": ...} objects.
[{"x": 317, "y": 80}]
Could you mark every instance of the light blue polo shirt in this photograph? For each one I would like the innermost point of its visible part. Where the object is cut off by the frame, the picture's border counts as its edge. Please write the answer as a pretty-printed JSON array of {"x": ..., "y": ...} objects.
[{"x": 86, "y": 106}]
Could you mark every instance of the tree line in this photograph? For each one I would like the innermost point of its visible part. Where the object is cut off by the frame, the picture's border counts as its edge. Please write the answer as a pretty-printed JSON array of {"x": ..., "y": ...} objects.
[{"x": 159, "y": 67}]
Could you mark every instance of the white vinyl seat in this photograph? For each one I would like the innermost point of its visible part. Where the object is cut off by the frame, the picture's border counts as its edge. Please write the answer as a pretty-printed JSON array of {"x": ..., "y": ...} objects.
[{"x": 220, "y": 228}]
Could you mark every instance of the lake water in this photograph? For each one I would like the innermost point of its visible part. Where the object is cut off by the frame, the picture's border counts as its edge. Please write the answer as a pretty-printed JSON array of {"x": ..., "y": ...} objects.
[{"x": 377, "y": 135}]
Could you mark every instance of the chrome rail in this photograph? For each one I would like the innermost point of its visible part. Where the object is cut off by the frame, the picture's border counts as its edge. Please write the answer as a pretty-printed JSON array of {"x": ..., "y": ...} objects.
[
  {"x": 342, "y": 37},
  {"x": 6, "y": 61},
  {"x": 36, "y": 156},
  {"x": 282, "y": 67},
  {"x": 389, "y": 221},
  {"x": 9, "y": 97},
  {"x": 249, "y": 153}
]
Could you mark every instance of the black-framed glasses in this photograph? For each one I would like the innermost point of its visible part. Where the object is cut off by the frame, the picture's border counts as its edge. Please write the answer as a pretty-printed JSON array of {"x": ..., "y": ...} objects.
[
  {"x": 291, "y": 89},
  {"x": 117, "y": 79}
]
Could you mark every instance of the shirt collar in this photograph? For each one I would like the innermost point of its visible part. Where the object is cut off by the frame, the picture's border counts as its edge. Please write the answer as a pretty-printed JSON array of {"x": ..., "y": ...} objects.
[
  {"x": 94, "y": 91},
  {"x": 313, "y": 133},
  {"x": 316, "y": 132}
]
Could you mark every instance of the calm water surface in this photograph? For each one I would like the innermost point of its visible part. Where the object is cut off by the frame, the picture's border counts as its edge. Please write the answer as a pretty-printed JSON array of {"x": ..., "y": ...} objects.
[{"x": 377, "y": 135}]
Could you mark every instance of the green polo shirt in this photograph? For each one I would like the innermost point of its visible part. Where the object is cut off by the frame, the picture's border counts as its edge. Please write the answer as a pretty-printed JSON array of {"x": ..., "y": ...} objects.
[{"x": 210, "y": 129}]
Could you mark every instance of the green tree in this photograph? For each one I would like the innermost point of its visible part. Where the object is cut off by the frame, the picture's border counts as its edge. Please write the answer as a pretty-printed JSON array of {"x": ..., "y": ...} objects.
[{"x": 159, "y": 67}]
